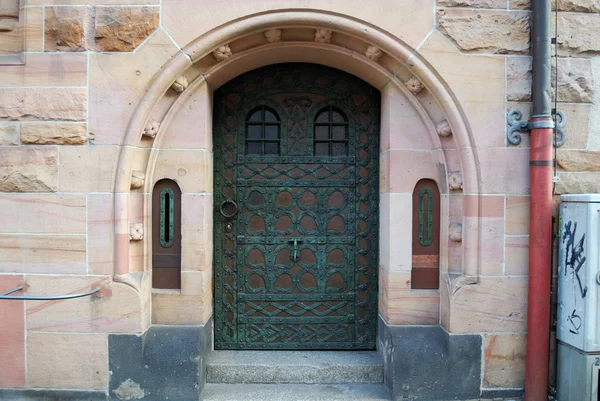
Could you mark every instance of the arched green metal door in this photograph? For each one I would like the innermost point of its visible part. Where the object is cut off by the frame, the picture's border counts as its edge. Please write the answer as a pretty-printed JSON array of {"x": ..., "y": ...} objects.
[{"x": 296, "y": 210}]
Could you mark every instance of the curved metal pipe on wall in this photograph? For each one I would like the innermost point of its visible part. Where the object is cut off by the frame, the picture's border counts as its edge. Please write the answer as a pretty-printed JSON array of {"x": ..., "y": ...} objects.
[{"x": 540, "y": 221}]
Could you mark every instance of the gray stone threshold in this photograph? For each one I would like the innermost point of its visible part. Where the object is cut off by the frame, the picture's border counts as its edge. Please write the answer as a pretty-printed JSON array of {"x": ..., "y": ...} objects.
[
  {"x": 294, "y": 392},
  {"x": 302, "y": 367}
]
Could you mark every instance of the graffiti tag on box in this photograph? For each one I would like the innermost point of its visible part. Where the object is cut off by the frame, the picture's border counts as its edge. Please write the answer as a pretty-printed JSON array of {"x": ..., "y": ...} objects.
[{"x": 574, "y": 261}]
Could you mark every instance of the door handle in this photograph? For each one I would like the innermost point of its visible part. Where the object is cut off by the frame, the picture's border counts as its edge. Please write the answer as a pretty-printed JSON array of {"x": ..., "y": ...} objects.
[
  {"x": 232, "y": 213},
  {"x": 295, "y": 241}
]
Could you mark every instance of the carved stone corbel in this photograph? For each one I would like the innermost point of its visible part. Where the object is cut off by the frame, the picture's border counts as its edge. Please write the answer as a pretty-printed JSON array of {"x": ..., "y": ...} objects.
[
  {"x": 180, "y": 84},
  {"x": 222, "y": 53},
  {"x": 137, "y": 179},
  {"x": 151, "y": 128},
  {"x": 374, "y": 53},
  {"x": 322, "y": 35},
  {"x": 455, "y": 232},
  {"x": 443, "y": 128},
  {"x": 455, "y": 181},
  {"x": 136, "y": 231},
  {"x": 414, "y": 85},
  {"x": 273, "y": 35}
]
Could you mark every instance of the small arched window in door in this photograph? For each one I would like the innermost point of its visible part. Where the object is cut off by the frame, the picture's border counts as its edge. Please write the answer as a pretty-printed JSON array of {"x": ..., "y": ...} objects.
[
  {"x": 263, "y": 132},
  {"x": 426, "y": 236},
  {"x": 166, "y": 235},
  {"x": 331, "y": 132}
]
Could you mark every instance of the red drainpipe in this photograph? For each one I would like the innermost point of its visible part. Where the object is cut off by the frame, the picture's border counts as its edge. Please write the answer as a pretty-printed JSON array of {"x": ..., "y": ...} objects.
[
  {"x": 540, "y": 220},
  {"x": 540, "y": 248}
]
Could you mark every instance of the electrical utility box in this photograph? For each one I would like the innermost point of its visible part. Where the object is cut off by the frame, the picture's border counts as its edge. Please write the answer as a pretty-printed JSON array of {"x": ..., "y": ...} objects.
[{"x": 578, "y": 325}]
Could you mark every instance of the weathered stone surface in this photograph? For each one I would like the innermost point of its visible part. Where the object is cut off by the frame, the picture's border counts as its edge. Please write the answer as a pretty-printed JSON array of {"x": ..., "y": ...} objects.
[
  {"x": 575, "y": 80},
  {"x": 478, "y": 31},
  {"x": 504, "y": 360},
  {"x": 12, "y": 338},
  {"x": 43, "y": 213},
  {"x": 51, "y": 133},
  {"x": 578, "y": 34},
  {"x": 87, "y": 168},
  {"x": 593, "y": 140},
  {"x": 517, "y": 215},
  {"x": 43, "y": 104},
  {"x": 579, "y": 160},
  {"x": 124, "y": 28},
  {"x": 496, "y": 304},
  {"x": 412, "y": 353},
  {"x": 65, "y": 28},
  {"x": 9, "y": 134},
  {"x": 586, "y": 6},
  {"x": 166, "y": 362},
  {"x": 34, "y": 39},
  {"x": 28, "y": 170},
  {"x": 323, "y": 367},
  {"x": 578, "y": 183},
  {"x": 45, "y": 254},
  {"x": 124, "y": 78},
  {"x": 472, "y": 3},
  {"x": 129, "y": 390},
  {"x": 518, "y": 75},
  {"x": 520, "y": 4},
  {"x": 47, "y": 69},
  {"x": 175, "y": 308},
  {"x": 75, "y": 361},
  {"x": 117, "y": 309}
]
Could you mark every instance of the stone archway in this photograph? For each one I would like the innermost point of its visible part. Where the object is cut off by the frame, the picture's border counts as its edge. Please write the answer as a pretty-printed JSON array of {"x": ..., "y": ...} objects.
[{"x": 404, "y": 78}]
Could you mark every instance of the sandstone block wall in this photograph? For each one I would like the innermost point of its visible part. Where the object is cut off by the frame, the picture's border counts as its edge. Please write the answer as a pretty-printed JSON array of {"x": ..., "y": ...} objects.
[{"x": 73, "y": 75}]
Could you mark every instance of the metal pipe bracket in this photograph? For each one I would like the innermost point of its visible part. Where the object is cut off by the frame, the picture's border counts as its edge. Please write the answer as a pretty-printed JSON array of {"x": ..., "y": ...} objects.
[{"x": 516, "y": 127}]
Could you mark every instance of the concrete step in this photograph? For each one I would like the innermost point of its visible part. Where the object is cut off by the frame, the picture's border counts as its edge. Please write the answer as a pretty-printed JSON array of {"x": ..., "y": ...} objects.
[
  {"x": 321, "y": 367},
  {"x": 294, "y": 392}
]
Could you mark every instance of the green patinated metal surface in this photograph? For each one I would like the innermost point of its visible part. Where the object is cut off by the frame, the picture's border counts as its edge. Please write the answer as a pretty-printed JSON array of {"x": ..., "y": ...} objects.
[
  {"x": 167, "y": 218},
  {"x": 296, "y": 210},
  {"x": 425, "y": 220}
]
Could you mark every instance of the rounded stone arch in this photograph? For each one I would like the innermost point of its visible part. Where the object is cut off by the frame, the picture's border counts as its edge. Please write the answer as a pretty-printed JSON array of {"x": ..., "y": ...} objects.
[{"x": 403, "y": 67}]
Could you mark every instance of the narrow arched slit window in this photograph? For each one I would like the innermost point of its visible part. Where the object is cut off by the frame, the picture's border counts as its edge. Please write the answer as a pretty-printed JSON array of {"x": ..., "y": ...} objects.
[
  {"x": 425, "y": 273},
  {"x": 331, "y": 132},
  {"x": 263, "y": 132},
  {"x": 166, "y": 235}
]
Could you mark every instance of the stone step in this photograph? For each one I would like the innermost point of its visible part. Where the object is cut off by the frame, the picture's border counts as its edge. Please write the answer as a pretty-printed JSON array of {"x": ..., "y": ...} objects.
[
  {"x": 321, "y": 367},
  {"x": 294, "y": 392}
]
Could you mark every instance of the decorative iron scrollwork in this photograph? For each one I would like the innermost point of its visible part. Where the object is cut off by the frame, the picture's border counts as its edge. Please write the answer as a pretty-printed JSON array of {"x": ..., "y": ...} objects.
[
  {"x": 513, "y": 134},
  {"x": 560, "y": 132}
]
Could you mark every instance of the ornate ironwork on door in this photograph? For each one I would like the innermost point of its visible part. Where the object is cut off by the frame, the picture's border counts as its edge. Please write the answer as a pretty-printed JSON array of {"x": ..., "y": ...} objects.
[{"x": 296, "y": 210}]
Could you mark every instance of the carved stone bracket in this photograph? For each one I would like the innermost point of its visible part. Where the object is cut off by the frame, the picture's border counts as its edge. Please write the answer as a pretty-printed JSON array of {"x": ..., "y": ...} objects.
[
  {"x": 443, "y": 128},
  {"x": 414, "y": 85},
  {"x": 137, "y": 179},
  {"x": 222, "y": 53},
  {"x": 322, "y": 35},
  {"x": 273, "y": 35},
  {"x": 151, "y": 128},
  {"x": 180, "y": 84},
  {"x": 455, "y": 181},
  {"x": 374, "y": 53},
  {"x": 515, "y": 127},
  {"x": 455, "y": 232},
  {"x": 136, "y": 231}
]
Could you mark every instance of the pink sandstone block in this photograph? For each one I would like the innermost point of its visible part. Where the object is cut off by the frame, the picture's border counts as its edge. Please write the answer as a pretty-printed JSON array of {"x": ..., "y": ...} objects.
[{"x": 12, "y": 335}]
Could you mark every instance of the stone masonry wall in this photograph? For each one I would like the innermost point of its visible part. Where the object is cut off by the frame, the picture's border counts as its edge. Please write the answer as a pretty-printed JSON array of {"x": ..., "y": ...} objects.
[{"x": 87, "y": 65}]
